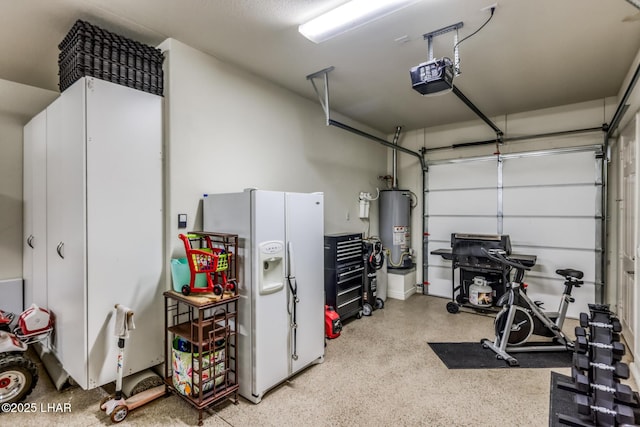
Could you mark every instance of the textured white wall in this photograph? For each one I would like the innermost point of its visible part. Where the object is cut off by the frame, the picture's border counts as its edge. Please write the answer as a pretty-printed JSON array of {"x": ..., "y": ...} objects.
[
  {"x": 10, "y": 196},
  {"x": 227, "y": 130},
  {"x": 18, "y": 104}
]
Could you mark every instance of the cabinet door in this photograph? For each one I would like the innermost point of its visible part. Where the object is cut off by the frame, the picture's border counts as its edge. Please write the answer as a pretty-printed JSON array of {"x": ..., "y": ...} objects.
[
  {"x": 34, "y": 269},
  {"x": 66, "y": 227},
  {"x": 124, "y": 225}
]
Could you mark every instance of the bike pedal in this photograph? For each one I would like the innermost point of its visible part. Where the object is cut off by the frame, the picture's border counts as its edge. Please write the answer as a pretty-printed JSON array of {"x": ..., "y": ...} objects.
[
  {"x": 572, "y": 299},
  {"x": 539, "y": 304}
]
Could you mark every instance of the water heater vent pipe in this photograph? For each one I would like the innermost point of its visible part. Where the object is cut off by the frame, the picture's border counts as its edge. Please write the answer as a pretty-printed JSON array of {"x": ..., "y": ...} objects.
[{"x": 394, "y": 170}]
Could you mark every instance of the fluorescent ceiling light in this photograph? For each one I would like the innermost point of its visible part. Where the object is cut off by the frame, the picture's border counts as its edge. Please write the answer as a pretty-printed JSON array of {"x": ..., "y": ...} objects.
[
  {"x": 350, "y": 15},
  {"x": 636, "y": 3}
]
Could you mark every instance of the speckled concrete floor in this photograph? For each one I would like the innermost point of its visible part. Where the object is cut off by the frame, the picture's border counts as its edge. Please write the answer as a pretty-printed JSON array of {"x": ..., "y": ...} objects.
[{"x": 380, "y": 372}]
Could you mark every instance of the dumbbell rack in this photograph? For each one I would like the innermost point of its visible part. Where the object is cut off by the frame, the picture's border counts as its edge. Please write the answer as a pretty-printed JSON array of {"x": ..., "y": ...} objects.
[{"x": 597, "y": 370}]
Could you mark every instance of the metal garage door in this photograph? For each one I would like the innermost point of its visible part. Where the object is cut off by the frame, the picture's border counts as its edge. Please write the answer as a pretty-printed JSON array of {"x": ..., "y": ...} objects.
[{"x": 549, "y": 203}]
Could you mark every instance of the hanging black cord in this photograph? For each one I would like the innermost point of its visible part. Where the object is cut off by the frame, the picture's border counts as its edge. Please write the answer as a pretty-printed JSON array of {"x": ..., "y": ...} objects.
[{"x": 493, "y": 9}]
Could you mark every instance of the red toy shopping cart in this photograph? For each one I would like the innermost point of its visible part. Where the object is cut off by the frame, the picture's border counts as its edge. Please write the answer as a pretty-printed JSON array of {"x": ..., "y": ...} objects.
[{"x": 211, "y": 258}]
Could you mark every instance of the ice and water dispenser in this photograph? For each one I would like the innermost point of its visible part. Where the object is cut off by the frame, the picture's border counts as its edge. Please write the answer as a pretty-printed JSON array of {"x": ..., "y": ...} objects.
[{"x": 271, "y": 276}]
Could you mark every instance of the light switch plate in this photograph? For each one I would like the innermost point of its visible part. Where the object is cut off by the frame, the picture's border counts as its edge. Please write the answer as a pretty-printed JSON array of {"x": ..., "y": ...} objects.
[{"x": 182, "y": 220}]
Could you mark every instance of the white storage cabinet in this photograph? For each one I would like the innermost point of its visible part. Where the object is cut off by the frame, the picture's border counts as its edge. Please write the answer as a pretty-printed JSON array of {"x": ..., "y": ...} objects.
[{"x": 103, "y": 226}]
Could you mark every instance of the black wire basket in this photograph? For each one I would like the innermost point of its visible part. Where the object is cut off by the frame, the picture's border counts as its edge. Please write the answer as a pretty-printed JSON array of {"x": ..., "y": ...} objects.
[{"x": 88, "y": 50}]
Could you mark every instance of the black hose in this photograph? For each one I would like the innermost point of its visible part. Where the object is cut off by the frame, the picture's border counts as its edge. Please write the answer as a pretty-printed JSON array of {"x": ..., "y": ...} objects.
[{"x": 376, "y": 257}]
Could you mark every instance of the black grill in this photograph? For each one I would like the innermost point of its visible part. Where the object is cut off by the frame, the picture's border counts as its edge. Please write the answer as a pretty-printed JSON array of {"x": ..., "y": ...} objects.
[
  {"x": 467, "y": 249},
  {"x": 468, "y": 254}
]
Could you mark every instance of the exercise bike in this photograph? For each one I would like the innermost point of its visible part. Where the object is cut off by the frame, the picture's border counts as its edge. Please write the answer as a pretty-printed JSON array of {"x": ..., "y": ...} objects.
[{"x": 520, "y": 317}]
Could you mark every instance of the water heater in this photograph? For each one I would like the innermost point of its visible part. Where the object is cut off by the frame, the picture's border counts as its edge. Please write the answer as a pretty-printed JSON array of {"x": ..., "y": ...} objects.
[{"x": 395, "y": 227}]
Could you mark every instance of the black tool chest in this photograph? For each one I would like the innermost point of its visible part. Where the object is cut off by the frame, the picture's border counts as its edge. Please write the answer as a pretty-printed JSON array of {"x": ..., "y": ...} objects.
[{"x": 344, "y": 273}]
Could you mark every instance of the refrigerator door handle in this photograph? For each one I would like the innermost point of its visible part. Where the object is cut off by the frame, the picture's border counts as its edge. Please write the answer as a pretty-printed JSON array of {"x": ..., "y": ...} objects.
[
  {"x": 292, "y": 266},
  {"x": 293, "y": 286}
]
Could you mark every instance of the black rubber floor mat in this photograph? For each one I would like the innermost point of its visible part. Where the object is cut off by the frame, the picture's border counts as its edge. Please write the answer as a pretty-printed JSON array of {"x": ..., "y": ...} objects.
[
  {"x": 471, "y": 355},
  {"x": 561, "y": 401}
]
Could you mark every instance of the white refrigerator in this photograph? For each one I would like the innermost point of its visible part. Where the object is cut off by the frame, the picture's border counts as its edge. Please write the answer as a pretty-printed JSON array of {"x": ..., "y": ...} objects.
[{"x": 281, "y": 258}]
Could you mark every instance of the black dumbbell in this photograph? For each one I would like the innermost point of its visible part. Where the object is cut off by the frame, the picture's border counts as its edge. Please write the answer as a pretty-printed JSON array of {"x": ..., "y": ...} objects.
[
  {"x": 583, "y": 403},
  {"x": 580, "y": 382},
  {"x": 619, "y": 369},
  {"x": 613, "y": 324},
  {"x": 625, "y": 415},
  {"x": 625, "y": 394},
  {"x": 621, "y": 413},
  {"x": 582, "y": 332},
  {"x": 621, "y": 392},
  {"x": 582, "y": 346},
  {"x": 603, "y": 335}
]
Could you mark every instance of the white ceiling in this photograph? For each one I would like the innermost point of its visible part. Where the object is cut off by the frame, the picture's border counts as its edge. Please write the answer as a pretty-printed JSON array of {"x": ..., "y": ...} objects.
[{"x": 533, "y": 54}]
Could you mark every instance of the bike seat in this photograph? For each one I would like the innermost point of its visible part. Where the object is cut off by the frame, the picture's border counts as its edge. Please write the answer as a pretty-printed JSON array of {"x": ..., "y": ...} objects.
[{"x": 570, "y": 272}]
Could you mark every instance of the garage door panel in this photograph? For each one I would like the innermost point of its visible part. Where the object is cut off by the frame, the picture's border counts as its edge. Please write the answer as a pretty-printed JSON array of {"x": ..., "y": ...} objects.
[
  {"x": 577, "y": 233},
  {"x": 564, "y": 168},
  {"x": 556, "y": 200},
  {"x": 463, "y": 202},
  {"x": 440, "y": 281},
  {"x": 547, "y": 202},
  {"x": 549, "y": 260},
  {"x": 463, "y": 175},
  {"x": 438, "y": 261},
  {"x": 549, "y": 291},
  {"x": 440, "y": 228}
]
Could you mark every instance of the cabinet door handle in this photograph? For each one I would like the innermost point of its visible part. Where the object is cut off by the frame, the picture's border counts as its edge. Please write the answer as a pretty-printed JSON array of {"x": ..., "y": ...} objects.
[
  {"x": 30, "y": 241},
  {"x": 59, "y": 249}
]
